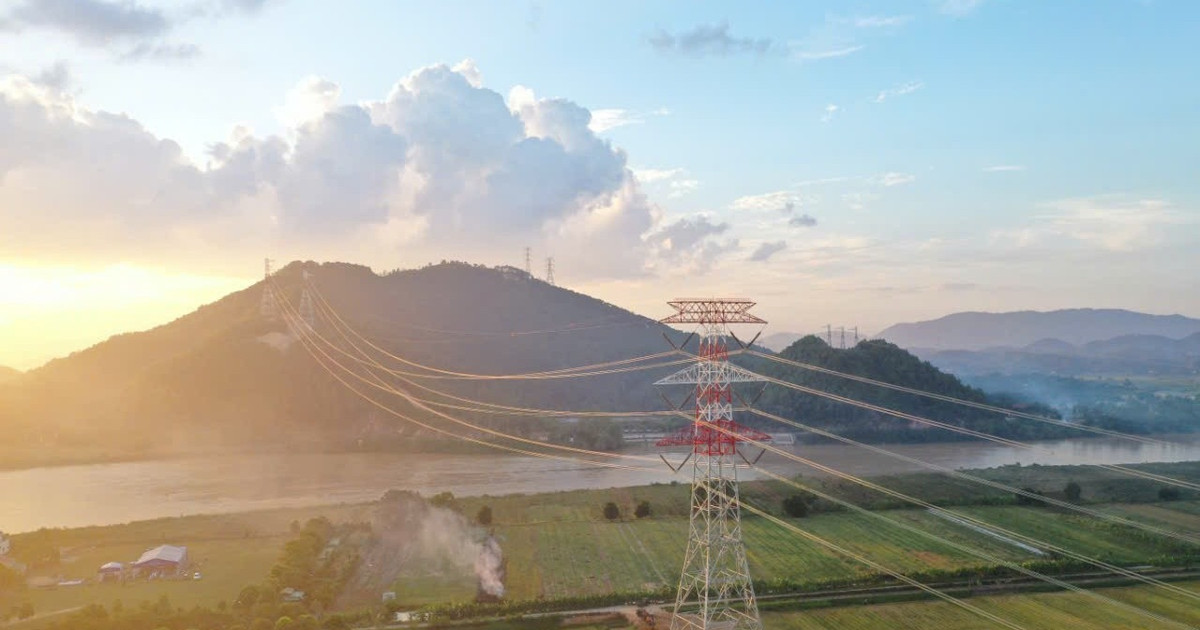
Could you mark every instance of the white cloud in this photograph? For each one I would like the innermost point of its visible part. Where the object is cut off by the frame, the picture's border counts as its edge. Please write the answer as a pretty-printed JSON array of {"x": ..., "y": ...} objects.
[
  {"x": 690, "y": 245},
  {"x": 881, "y": 21},
  {"x": 441, "y": 166},
  {"x": 900, "y": 90},
  {"x": 310, "y": 99},
  {"x": 765, "y": 251},
  {"x": 830, "y": 111},
  {"x": 608, "y": 119},
  {"x": 826, "y": 53},
  {"x": 681, "y": 187},
  {"x": 1109, "y": 223},
  {"x": 1003, "y": 168},
  {"x": 780, "y": 200},
  {"x": 652, "y": 175},
  {"x": 958, "y": 8},
  {"x": 675, "y": 180},
  {"x": 888, "y": 180}
]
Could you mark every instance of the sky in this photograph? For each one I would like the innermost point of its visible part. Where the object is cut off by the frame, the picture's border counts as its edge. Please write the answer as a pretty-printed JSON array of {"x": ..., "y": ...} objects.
[{"x": 845, "y": 163}]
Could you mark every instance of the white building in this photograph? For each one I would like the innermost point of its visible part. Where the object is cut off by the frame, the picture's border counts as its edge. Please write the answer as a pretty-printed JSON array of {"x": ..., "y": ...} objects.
[{"x": 5, "y": 544}]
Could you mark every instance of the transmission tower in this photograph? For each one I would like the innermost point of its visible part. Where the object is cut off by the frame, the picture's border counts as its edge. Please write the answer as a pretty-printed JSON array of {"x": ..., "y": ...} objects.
[
  {"x": 714, "y": 589},
  {"x": 529, "y": 261},
  {"x": 550, "y": 270},
  {"x": 268, "y": 307},
  {"x": 308, "y": 314}
]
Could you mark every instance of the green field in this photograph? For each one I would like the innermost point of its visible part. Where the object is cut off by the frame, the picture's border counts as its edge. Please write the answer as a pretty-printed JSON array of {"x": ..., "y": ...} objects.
[
  {"x": 230, "y": 551},
  {"x": 1046, "y": 611},
  {"x": 560, "y": 545}
]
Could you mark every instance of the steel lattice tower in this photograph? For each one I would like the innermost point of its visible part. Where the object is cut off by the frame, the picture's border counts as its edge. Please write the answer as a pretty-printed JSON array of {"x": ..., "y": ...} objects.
[{"x": 714, "y": 590}]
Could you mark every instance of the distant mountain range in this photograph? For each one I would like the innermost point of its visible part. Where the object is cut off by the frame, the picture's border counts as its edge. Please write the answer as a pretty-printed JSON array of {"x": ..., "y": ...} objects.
[
  {"x": 1126, "y": 355},
  {"x": 1044, "y": 330}
]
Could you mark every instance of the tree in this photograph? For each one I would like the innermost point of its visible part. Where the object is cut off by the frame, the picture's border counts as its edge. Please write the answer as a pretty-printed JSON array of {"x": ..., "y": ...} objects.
[
  {"x": 25, "y": 610},
  {"x": 642, "y": 510},
  {"x": 611, "y": 511},
  {"x": 247, "y": 598},
  {"x": 796, "y": 506},
  {"x": 1169, "y": 493},
  {"x": 1025, "y": 499},
  {"x": 1072, "y": 491},
  {"x": 284, "y": 623},
  {"x": 484, "y": 516}
]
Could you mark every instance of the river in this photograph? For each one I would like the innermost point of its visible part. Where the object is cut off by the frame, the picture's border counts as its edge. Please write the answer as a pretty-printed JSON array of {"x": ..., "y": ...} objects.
[{"x": 104, "y": 494}]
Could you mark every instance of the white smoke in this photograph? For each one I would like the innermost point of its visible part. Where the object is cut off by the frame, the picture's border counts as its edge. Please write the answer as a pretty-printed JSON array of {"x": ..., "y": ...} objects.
[
  {"x": 437, "y": 536},
  {"x": 489, "y": 567}
]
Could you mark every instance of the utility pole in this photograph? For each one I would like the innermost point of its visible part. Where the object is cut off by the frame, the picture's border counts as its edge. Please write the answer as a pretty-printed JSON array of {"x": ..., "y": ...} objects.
[
  {"x": 550, "y": 271},
  {"x": 715, "y": 590},
  {"x": 829, "y": 335}
]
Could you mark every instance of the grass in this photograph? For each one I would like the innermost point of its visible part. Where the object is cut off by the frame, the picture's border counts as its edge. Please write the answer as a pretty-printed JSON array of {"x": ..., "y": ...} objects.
[
  {"x": 559, "y": 544},
  {"x": 1044, "y": 611}
]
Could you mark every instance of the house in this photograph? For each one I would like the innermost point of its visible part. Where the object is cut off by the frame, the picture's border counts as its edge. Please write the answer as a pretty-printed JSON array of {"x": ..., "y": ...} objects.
[
  {"x": 5, "y": 544},
  {"x": 290, "y": 594},
  {"x": 161, "y": 561},
  {"x": 110, "y": 572}
]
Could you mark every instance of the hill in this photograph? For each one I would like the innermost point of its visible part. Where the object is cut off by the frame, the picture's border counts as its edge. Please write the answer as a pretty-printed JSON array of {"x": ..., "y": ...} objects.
[
  {"x": 224, "y": 376},
  {"x": 1127, "y": 355},
  {"x": 884, "y": 361},
  {"x": 978, "y": 331},
  {"x": 7, "y": 373}
]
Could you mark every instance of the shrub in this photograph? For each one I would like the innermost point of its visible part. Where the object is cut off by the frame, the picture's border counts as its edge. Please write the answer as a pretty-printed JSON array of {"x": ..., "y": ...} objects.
[
  {"x": 1072, "y": 491},
  {"x": 796, "y": 506},
  {"x": 642, "y": 510},
  {"x": 1169, "y": 493},
  {"x": 611, "y": 511},
  {"x": 484, "y": 516}
]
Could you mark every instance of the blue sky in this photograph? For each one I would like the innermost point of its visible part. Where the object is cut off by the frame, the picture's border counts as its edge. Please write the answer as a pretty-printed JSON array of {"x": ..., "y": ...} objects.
[{"x": 854, "y": 163}]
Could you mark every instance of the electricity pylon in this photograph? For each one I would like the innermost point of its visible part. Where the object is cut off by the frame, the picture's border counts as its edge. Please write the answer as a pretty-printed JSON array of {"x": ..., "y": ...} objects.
[{"x": 715, "y": 590}]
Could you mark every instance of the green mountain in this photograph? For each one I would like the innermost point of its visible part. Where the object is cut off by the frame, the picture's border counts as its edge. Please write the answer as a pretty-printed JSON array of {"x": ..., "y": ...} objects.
[{"x": 884, "y": 361}]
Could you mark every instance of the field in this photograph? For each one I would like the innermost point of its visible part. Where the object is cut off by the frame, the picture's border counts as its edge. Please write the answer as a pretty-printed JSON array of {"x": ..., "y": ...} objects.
[
  {"x": 1046, "y": 611},
  {"x": 560, "y": 545},
  {"x": 230, "y": 551}
]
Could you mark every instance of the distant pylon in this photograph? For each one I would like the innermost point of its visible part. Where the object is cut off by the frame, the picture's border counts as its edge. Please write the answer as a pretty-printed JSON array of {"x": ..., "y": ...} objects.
[
  {"x": 715, "y": 590},
  {"x": 843, "y": 337},
  {"x": 529, "y": 261},
  {"x": 308, "y": 314},
  {"x": 550, "y": 270},
  {"x": 268, "y": 307}
]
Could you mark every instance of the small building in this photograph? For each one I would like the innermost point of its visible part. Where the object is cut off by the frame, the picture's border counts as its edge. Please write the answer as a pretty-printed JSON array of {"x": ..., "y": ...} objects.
[
  {"x": 290, "y": 594},
  {"x": 111, "y": 572},
  {"x": 5, "y": 544},
  {"x": 162, "y": 561}
]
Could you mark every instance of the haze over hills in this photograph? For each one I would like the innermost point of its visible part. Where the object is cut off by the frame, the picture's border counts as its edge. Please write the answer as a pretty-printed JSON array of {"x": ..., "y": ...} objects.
[
  {"x": 979, "y": 331},
  {"x": 223, "y": 374},
  {"x": 1120, "y": 356},
  {"x": 7, "y": 373}
]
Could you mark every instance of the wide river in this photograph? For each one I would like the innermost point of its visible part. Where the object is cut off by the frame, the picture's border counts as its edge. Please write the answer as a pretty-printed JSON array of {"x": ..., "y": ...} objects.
[{"x": 103, "y": 494}]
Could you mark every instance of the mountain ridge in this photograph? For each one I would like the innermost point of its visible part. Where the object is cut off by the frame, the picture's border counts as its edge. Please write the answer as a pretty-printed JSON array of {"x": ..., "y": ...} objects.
[{"x": 977, "y": 330}]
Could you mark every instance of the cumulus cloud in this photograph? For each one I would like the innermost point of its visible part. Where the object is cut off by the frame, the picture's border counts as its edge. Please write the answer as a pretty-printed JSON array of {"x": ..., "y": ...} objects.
[
  {"x": 689, "y": 245},
  {"x": 767, "y": 250},
  {"x": 675, "y": 180},
  {"x": 441, "y": 167},
  {"x": 709, "y": 40},
  {"x": 607, "y": 119}
]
